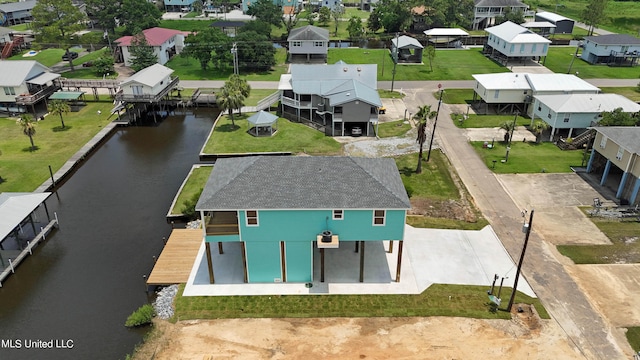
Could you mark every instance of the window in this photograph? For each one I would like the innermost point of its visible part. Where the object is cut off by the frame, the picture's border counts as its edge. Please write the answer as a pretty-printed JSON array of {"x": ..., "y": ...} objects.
[
  {"x": 521, "y": 48},
  {"x": 318, "y": 43},
  {"x": 9, "y": 91},
  {"x": 566, "y": 117},
  {"x": 496, "y": 94},
  {"x": 512, "y": 47},
  {"x": 136, "y": 89},
  {"x": 378, "y": 217},
  {"x": 544, "y": 48},
  {"x": 620, "y": 153},
  {"x": 603, "y": 142},
  {"x": 252, "y": 217},
  {"x": 533, "y": 48},
  {"x": 338, "y": 214},
  {"x": 296, "y": 43}
]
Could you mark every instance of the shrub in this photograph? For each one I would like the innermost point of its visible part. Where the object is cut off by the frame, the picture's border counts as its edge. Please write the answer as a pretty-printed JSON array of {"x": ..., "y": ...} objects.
[
  {"x": 189, "y": 207},
  {"x": 140, "y": 317}
]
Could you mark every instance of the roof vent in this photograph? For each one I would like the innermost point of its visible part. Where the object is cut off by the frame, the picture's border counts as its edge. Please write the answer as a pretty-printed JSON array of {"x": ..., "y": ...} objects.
[
  {"x": 345, "y": 69},
  {"x": 359, "y": 69}
]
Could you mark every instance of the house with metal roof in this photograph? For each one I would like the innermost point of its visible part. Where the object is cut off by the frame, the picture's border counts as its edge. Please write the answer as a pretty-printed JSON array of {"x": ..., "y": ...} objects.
[
  {"x": 486, "y": 11},
  {"x": 615, "y": 158},
  {"x": 150, "y": 84},
  {"x": 563, "y": 25},
  {"x": 13, "y": 13},
  {"x": 512, "y": 42},
  {"x": 613, "y": 50},
  {"x": 335, "y": 98},
  {"x": 287, "y": 6},
  {"x": 179, "y": 5},
  {"x": 510, "y": 92},
  {"x": 543, "y": 28},
  {"x": 283, "y": 210},
  {"x": 406, "y": 49},
  {"x": 165, "y": 43},
  {"x": 576, "y": 112},
  {"x": 308, "y": 43},
  {"x": 445, "y": 36},
  {"x": 25, "y": 83}
]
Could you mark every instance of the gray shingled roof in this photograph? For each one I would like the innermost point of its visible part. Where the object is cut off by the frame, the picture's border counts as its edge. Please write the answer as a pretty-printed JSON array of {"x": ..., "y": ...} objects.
[
  {"x": 304, "y": 182},
  {"x": 512, "y": 3},
  {"x": 626, "y": 136},
  {"x": 614, "y": 39},
  {"x": 309, "y": 32}
]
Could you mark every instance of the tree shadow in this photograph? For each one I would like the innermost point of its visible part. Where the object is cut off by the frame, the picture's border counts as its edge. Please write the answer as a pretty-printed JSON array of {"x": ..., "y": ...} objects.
[
  {"x": 31, "y": 149},
  {"x": 227, "y": 128},
  {"x": 60, "y": 128},
  {"x": 407, "y": 171}
]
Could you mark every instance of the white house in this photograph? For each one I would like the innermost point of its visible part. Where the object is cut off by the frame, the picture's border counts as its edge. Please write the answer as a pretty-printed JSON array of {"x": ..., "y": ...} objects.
[
  {"x": 24, "y": 83},
  {"x": 147, "y": 85},
  {"x": 577, "y": 111},
  {"x": 509, "y": 41},
  {"x": 614, "y": 49},
  {"x": 515, "y": 91},
  {"x": 165, "y": 42},
  {"x": 342, "y": 96},
  {"x": 307, "y": 43},
  {"x": 486, "y": 11}
]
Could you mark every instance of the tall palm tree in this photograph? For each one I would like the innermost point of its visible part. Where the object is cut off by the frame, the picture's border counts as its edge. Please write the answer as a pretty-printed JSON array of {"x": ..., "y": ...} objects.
[
  {"x": 28, "y": 127},
  {"x": 424, "y": 113},
  {"x": 59, "y": 107},
  {"x": 229, "y": 99},
  {"x": 538, "y": 128},
  {"x": 240, "y": 84},
  {"x": 507, "y": 126}
]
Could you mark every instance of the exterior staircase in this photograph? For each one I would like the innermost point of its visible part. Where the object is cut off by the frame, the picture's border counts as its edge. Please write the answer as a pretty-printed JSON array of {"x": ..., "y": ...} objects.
[
  {"x": 578, "y": 141},
  {"x": 7, "y": 50}
]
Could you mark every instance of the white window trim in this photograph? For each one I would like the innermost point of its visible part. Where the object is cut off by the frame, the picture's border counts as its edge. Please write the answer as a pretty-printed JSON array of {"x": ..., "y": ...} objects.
[
  {"x": 384, "y": 217},
  {"x": 246, "y": 218},
  {"x": 620, "y": 153},
  {"x": 341, "y": 214},
  {"x": 603, "y": 142}
]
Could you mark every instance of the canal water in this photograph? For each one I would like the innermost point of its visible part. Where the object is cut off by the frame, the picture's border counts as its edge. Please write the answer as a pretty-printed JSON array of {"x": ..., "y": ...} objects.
[{"x": 78, "y": 288}]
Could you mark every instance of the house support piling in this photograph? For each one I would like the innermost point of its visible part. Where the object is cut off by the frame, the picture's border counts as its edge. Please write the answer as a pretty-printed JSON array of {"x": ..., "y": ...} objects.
[
  {"x": 399, "y": 266},
  {"x": 362, "y": 261},
  {"x": 209, "y": 263}
]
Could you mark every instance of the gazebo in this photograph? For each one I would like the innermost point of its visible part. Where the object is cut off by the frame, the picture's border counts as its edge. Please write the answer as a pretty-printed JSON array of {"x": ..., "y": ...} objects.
[
  {"x": 444, "y": 35},
  {"x": 408, "y": 49},
  {"x": 264, "y": 120},
  {"x": 74, "y": 98}
]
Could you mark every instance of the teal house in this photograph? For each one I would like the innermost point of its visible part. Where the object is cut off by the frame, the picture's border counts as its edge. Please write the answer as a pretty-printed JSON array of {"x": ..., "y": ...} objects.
[{"x": 282, "y": 209}]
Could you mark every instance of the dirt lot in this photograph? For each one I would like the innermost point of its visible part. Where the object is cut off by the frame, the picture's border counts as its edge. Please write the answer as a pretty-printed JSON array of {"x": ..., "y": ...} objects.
[{"x": 524, "y": 337}]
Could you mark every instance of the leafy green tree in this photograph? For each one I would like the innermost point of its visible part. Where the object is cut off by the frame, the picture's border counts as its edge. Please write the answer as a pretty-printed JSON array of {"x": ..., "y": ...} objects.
[
  {"x": 255, "y": 51},
  {"x": 336, "y": 14},
  {"x": 142, "y": 54},
  {"x": 355, "y": 28},
  {"x": 138, "y": 15},
  {"x": 433, "y": 14},
  {"x": 459, "y": 13},
  {"x": 257, "y": 26},
  {"x": 424, "y": 113},
  {"x": 593, "y": 14},
  {"x": 103, "y": 65},
  {"x": 373, "y": 23},
  {"x": 230, "y": 98},
  {"x": 290, "y": 20},
  {"x": 538, "y": 128},
  {"x": 203, "y": 44},
  {"x": 104, "y": 13},
  {"x": 516, "y": 17},
  {"x": 59, "y": 107},
  {"x": 310, "y": 16},
  {"x": 392, "y": 15},
  {"x": 618, "y": 117},
  {"x": 430, "y": 52},
  {"x": 267, "y": 11},
  {"x": 56, "y": 21},
  {"x": 28, "y": 127},
  {"x": 324, "y": 15}
]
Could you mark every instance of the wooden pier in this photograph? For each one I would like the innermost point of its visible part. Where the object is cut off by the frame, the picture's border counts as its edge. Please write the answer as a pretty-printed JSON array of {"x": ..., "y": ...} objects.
[{"x": 176, "y": 259}]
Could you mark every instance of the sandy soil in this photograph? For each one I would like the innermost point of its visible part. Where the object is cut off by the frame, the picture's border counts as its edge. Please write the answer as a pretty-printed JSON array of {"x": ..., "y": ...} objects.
[{"x": 523, "y": 337}]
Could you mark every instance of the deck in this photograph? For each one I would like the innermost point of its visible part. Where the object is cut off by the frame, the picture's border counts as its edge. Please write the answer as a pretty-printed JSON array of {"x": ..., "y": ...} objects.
[{"x": 177, "y": 258}]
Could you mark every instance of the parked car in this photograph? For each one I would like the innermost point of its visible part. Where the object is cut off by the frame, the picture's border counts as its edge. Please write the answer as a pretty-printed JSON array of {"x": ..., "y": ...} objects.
[
  {"x": 69, "y": 55},
  {"x": 356, "y": 131}
]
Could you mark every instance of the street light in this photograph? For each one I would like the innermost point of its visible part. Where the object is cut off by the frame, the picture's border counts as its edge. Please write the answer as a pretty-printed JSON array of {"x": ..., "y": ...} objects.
[
  {"x": 234, "y": 52},
  {"x": 515, "y": 118},
  {"x": 526, "y": 227},
  {"x": 433, "y": 133}
]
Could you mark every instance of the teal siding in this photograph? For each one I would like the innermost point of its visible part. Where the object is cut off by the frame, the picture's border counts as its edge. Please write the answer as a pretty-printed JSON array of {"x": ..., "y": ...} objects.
[
  {"x": 304, "y": 225},
  {"x": 263, "y": 261},
  {"x": 222, "y": 238},
  {"x": 299, "y": 261}
]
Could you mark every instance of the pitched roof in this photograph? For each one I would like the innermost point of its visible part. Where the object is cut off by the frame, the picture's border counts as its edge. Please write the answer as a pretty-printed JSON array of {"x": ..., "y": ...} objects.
[
  {"x": 538, "y": 24},
  {"x": 262, "y": 118},
  {"x": 558, "y": 82},
  {"x": 551, "y": 16},
  {"x": 587, "y": 103},
  {"x": 446, "y": 32},
  {"x": 614, "y": 39},
  {"x": 286, "y": 182},
  {"x": 406, "y": 42},
  {"x": 149, "y": 76},
  {"x": 155, "y": 36},
  {"x": 16, "y": 72},
  {"x": 625, "y": 136},
  {"x": 500, "y": 81},
  {"x": 515, "y": 33},
  {"x": 500, "y": 3},
  {"x": 15, "y": 207},
  {"x": 17, "y": 6},
  {"x": 309, "y": 32}
]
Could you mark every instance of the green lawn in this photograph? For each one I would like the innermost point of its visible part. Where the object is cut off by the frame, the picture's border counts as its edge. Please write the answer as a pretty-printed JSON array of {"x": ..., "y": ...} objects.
[
  {"x": 189, "y": 69},
  {"x": 50, "y": 57},
  {"x": 457, "y": 96},
  {"x": 488, "y": 121},
  {"x": 393, "y": 128},
  {"x": 25, "y": 170},
  {"x": 529, "y": 157},
  {"x": 633, "y": 336},
  {"x": 437, "y": 300},
  {"x": 185, "y": 25},
  {"x": 447, "y": 65},
  {"x": 256, "y": 95},
  {"x": 434, "y": 182},
  {"x": 290, "y": 137},
  {"x": 559, "y": 59},
  {"x": 195, "y": 182},
  {"x": 388, "y": 94},
  {"x": 442, "y": 223},
  {"x": 625, "y": 247},
  {"x": 631, "y": 93},
  {"x": 21, "y": 27}
]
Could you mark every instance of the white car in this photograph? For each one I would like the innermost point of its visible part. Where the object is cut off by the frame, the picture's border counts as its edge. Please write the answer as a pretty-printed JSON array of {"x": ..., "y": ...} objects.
[{"x": 356, "y": 131}]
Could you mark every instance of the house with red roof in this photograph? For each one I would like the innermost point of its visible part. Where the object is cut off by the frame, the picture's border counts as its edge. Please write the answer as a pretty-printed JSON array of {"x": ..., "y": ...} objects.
[{"x": 165, "y": 42}]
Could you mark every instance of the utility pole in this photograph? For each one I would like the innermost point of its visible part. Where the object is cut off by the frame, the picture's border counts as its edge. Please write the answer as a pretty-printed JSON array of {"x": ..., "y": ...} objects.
[
  {"x": 524, "y": 249},
  {"x": 394, "y": 55},
  {"x": 573, "y": 58},
  {"x": 433, "y": 133},
  {"x": 234, "y": 52},
  {"x": 513, "y": 128}
]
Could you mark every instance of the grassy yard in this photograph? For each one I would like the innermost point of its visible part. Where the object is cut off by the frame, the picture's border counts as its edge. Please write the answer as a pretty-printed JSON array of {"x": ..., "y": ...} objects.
[
  {"x": 393, "y": 128},
  {"x": 186, "y": 25},
  {"x": 434, "y": 182},
  {"x": 256, "y": 95},
  {"x": 633, "y": 336},
  {"x": 195, "y": 183},
  {"x": 437, "y": 300},
  {"x": 50, "y": 57},
  {"x": 25, "y": 170},
  {"x": 559, "y": 59},
  {"x": 290, "y": 137},
  {"x": 529, "y": 157},
  {"x": 457, "y": 96},
  {"x": 625, "y": 247},
  {"x": 388, "y": 94},
  {"x": 447, "y": 65},
  {"x": 441, "y": 223},
  {"x": 631, "y": 93},
  {"x": 489, "y": 121}
]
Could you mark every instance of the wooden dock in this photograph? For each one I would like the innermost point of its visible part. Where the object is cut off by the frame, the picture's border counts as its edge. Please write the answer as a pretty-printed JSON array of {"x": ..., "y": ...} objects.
[{"x": 176, "y": 260}]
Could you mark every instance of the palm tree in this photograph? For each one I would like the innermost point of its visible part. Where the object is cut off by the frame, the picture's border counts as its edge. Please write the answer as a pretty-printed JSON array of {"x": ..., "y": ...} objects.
[
  {"x": 240, "y": 84},
  {"x": 424, "y": 113},
  {"x": 538, "y": 128},
  {"x": 229, "y": 99},
  {"x": 507, "y": 126},
  {"x": 59, "y": 107},
  {"x": 28, "y": 127}
]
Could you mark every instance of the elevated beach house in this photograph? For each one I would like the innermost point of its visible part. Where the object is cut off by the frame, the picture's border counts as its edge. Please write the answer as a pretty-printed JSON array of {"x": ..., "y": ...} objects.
[
  {"x": 308, "y": 43},
  {"x": 165, "y": 43},
  {"x": 613, "y": 50},
  {"x": 24, "y": 84},
  {"x": 509, "y": 42},
  {"x": 283, "y": 209}
]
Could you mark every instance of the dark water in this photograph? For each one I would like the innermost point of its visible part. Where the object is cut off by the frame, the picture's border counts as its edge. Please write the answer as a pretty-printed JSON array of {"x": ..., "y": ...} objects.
[{"x": 80, "y": 286}]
